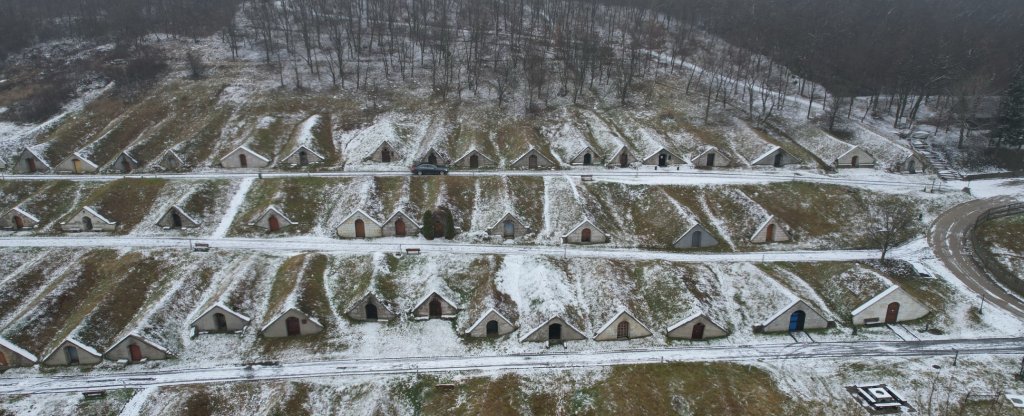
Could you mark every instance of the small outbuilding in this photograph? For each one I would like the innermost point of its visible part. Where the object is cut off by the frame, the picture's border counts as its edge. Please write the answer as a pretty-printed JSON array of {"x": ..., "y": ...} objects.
[
  {"x": 891, "y": 306},
  {"x": 434, "y": 306},
  {"x": 912, "y": 163},
  {"x": 272, "y": 219},
  {"x": 400, "y": 225},
  {"x": 30, "y": 162},
  {"x": 770, "y": 231},
  {"x": 244, "y": 157},
  {"x": 18, "y": 219},
  {"x": 663, "y": 158},
  {"x": 176, "y": 218},
  {"x": 171, "y": 161},
  {"x": 76, "y": 163},
  {"x": 370, "y": 308},
  {"x": 697, "y": 326},
  {"x": 853, "y": 157},
  {"x": 291, "y": 323},
  {"x": 136, "y": 349},
  {"x": 622, "y": 158},
  {"x": 490, "y": 325},
  {"x": 474, "y": 159},
  {"x": 555, "y": 331},
  {"x": 385, "y": 153},
  {"x": 622, "y": 326},
  {"x": 509, "y": 227},
  {"x": 220, "y": 319},
  {"x": 710, "y": 157},
  {"x": 585, "y": 233},
  {"x": 303, "y": 156},
  {"x": 73, "y": 352},
  {"x": 696, "y": 237},
  {"x": 434, "y": 157},
  {"x": 532, "y": 159},
  {"x": 359, "y": 224},
  {"x": 775, "y": 157},
  {"x": 795, "y": 317},
  {"x": 88, "y": 219},
  {"x": 586, "y": 157},
  {"x": 124, "y": 163},
  {"x": 14, "y": 356}
]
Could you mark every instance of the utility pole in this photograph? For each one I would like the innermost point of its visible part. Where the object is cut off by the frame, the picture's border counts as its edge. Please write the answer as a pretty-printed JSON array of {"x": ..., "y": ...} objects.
[
  {"x": 1020, "y": 375},
  {"x": 981, "y": 309},
  {"x": 956, "y": 355}
]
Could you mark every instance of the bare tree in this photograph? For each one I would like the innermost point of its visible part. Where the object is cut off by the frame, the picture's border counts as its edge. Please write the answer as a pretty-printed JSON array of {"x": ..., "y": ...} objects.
[
  {"x": 196, "y": 66},
  {"x": 894, "y": 219}
]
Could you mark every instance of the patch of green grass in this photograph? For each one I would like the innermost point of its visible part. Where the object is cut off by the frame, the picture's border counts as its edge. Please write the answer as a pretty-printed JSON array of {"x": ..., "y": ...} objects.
[
  {"x": 266, "y": 139},
  {"x": 205, "y": 196},
  {"x": 353, "y": 277},
  {"x": 839, "y": 284},
  {"x": 74, "y": 132},
  {"x": 527, "y": 195},
  {"x": 284, "y": 284},
  {"x": 126, "y": 201}
]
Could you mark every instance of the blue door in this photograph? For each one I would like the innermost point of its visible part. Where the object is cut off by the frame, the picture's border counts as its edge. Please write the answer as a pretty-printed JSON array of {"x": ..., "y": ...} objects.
[{"x": 796, "y": 321}]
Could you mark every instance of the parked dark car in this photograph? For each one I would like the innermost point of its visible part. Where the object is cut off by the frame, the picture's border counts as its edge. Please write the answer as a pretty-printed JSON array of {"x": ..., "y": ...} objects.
[{"x": 428, "y": 169}]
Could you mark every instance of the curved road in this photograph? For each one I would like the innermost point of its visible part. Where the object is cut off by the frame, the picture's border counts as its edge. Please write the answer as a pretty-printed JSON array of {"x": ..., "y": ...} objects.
[{"x": 948, "y": 237}]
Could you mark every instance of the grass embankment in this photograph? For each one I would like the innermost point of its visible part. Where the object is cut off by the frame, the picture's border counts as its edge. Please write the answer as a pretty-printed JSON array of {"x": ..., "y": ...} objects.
[
  {"x": 126, "y": 201},
  {"x": 1001, "y": 239}
]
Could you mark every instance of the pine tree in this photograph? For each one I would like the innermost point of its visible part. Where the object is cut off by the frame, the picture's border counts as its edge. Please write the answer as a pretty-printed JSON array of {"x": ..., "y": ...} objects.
[
  {"x": 428, "y": 225},
  {"x": 449, "y": 225},
  {"x": 1011, "y": 113}
]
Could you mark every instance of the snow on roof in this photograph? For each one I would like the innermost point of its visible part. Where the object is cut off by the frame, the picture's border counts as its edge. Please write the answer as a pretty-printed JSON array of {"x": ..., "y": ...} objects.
[
  {"x": 584, "y": 222},
  {"x": 662, "y": 149},
  {"x": 98, "y": 216},
  {"x": 470, "y": 152},
  {"x": 783, "y": 310},
  {"x": 621, "y": 312},
  {"x": 690, "y": 230},
  {"x": 36, "y": 155},
  {"x": 403, "y": 214},
  {"x": 764, "y": 224},
  {"x": 128, "y": 156},
  {"x": 502, "y": 219},
  {"x": 364, "y": 214},
  {"x": 76, "y": 343},
  {"x": 184, "y": 214},
  {"x": 276, "y": 210},
  {"x": 79, "y": 156},
  {"x": 304, "y": 132},
  {"x": 585, "y": 149},
  {"x": 246, "y": 149},
  {"x": 141, "y": 339},
  {"x": 223, "y": 307},
  {"x": 767, "y": 153},
  {"x": 538, "y": 328},
  {"x": 703, "y": 150},
  {"x": 431, "y": 293},
  {"x": 363, "y": 299},
  {"x": 484, "y": 316},
  {"x": 527, "y": 153},
  {"x": 17, "y": 350},
  {"x": 301, "y": 147},
  {"x": 24, "y": 214},
  {"x": 281, "y": 315},
  {"x": 822, "y": 144},
  {"x": 874, "y": 300},
  {"x": 685, "y": 321}
]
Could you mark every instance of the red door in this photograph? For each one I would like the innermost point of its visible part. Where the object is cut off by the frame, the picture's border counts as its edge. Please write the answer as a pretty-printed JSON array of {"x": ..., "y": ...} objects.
[
  {"x": 892, "y": 313},
  {"x": 31, "y": 163},
  {"x": 18, "y": 223},
  {"x": 400, "y": 228},
  {"x": 698, "y": 331},
  {"x": 435, "y": 309},
  {"x": 135, "y": 352},
  {"x": 292, "y": 324},
  {"x": 242, "y": 161},
  {"x": 360, "y": 229},
  {"x": 770, "y": 234},
  {"x": 127, "y": 167},
  {"x": 273, "y": 223}
]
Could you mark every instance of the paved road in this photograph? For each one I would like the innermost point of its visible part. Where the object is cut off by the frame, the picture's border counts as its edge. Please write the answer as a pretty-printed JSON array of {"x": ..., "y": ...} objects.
[
  {"x": 397, "y": 245},
  {"x": 947, "y": 238},
  {"x": 106, "y": 380}
]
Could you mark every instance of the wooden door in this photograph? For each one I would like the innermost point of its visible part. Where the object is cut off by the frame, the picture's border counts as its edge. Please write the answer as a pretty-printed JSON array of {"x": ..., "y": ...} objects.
[
  {"x": 555, "y": 332},
  {"x": 434, "y": 308},
  {"x": 892, "y": 313},
  {"x": 273, "y": 223},
  {"x": 662, "y": 160},
  {"x": 695, "y": 239},
  {"x": 711, "y": 160},
  {"x": 492, "y": 328},
  {"x": 585, "y": 235},
  {"x": 385, "y": 155},
  {"x": 910, "y": 166},
  {"x": 624, "y": 160},
  {"x": 400, "y": 228},
  {"x": 509, "y": 230},
  {"x": 533, "y": 161},
  {"x": 371, "y": 312},
  {"x": 622, "y": 330},
  {"x": 292, "y": 325},
  {"x": 135, "y": 352},
  {"x": 769, "y": 234},
  {"x": 474, "y": 161},
  {"x": 175, "y": 219},
  {"x": 360, "y": 229},
  {"x": 778, "y": 160},
  {"x": 3, "y": 360},
  {"x": 76, "y": 165},
  {"x": 220, "y": 322},
  {"x": 698, "y": 331},
  {"x": 855, "y": 161},
  {"x": 432, "y": 158},
  {"x": 71, "y": 354},
  {"x": 303, "y": 158},
  {"x": 126, "y": 166},
  {"x": 588, "y": 159},
  {"x": 31, "y": 164},
  {"x": 87, "y": 223},
  {"x": 243, "y": 161},
  {"x": 18, "y": 222}
]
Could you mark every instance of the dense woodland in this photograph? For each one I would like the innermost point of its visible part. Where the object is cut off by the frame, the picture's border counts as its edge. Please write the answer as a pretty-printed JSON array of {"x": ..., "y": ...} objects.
[{"x": 904, "y": 51}]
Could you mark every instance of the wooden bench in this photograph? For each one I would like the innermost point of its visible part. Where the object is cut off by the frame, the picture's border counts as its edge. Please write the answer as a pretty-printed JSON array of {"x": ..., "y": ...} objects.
[
  {"x": 94, "y": 395},
  {"x": 412, "y": 251},
  {"x": 587, "y": 178},
  {"x": 203, "y": 247}
]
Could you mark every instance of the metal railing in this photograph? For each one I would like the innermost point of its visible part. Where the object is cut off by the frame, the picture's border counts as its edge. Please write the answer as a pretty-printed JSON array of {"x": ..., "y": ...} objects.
[{"x": 984, "y": 259}]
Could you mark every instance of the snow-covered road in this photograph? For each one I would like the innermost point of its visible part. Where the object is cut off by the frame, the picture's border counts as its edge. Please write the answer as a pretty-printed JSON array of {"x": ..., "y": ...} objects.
[
  {"x": 101, "y": 380},
  {"x": 398, "y": 245}
]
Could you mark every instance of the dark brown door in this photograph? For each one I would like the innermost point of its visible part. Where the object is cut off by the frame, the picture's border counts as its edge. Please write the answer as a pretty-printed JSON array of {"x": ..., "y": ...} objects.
[
  {"x": 662, "y": 160},
  {"x": 588, "y": 159},
  {"x": 698, "y": 331},
  {"x": 624, "y": 160},
  {"x": 125, "y": 166},
  {"x": 220, "y": 322},
  {"x": 474, "y": 161},
  {"x": 175, "y": 220},
  {"x": 3, "y": 360},
  {"x": 31, "y": 163},
  {"x": 303, "y": 158},
  {"x": 273, "y": 223},
  {"x": 855, "y": 161},
  {"x": 432, "y": 158},
  {"x": 622, "y": 330},
  {"x": 242, "y": 161},
  {"x": 18, "y": 222},
  {"x": 892, "y": 313},
  {"x": 770, "y": 233},
  {"x": 360, "y": 229},
  {"x": 778, "y": 160},
  {"x": 87, "y": 223},
  {"x": 711, "y": 160},
  {"x": 400, "y": 228},
  {"x": 555, "y": 332},
  {"x": 492, "y": 328},
  {"x": 585, "y": 235},
  {"x": 385, "y": 155},
  {"x": 435, "y": 309},
  {"x": 371, "y": 312},
  {"x": 71, "y": 354},
  {"x": 533, "y": 161},
  {"x": 292, "y": 324},
  {"x": 135, "y": 352}
]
